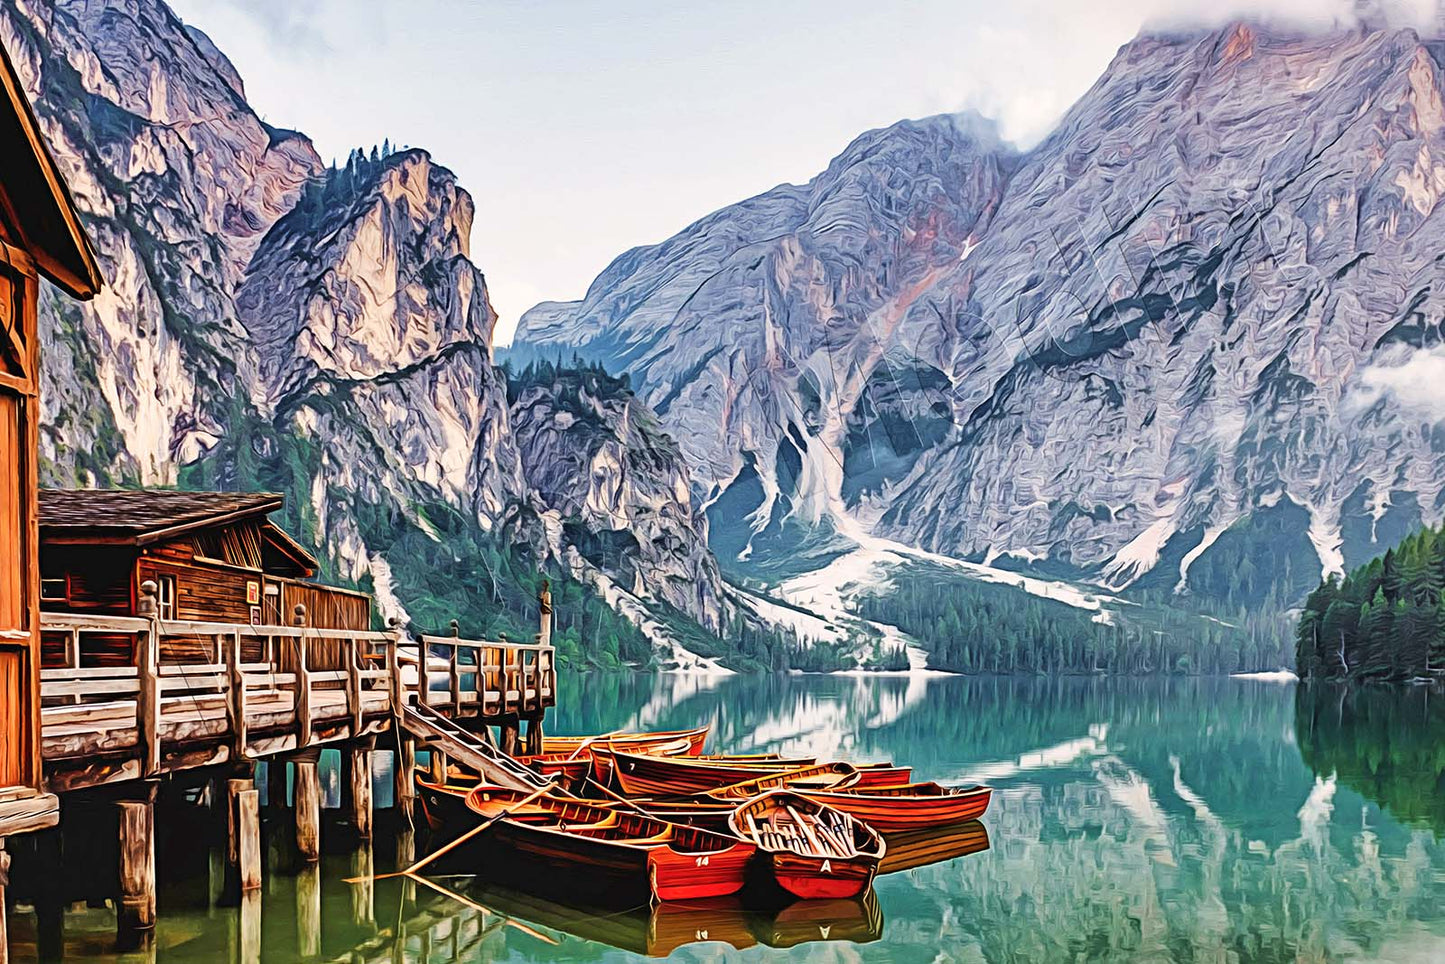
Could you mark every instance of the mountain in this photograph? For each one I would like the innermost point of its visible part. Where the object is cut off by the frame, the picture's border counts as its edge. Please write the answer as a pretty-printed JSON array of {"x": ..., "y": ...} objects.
[
  {"x": 1180, "y": 348},
  {"x": 273, "y": 322}
]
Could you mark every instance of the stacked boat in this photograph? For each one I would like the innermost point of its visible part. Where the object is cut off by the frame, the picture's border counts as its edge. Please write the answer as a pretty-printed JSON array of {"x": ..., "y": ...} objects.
[{"x": 649, "y": 817}]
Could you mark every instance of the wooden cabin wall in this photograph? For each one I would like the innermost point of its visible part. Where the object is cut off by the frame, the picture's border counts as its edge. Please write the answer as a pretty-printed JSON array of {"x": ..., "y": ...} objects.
[
  {"x": 204, "y": 593},
  {"x": 326, "y": 608},
  {"x": 19, "y": 540},
  {"x": 98, "y": 583}
]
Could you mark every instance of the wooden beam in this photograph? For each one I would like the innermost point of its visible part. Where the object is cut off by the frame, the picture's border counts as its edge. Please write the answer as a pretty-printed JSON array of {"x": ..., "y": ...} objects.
[
  {"x": 361, "y": 809},
  {"x": 404, "y": 775},
  {"x": 248, "y": 846},
  {"x": 236, "y": 691},
  {"x": 308, "y": 808},
  {"x": 136, "y": 911}
]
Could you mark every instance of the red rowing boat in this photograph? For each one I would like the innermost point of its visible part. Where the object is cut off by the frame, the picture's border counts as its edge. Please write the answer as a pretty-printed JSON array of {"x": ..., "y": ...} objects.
[
  {"x": 825, "y": 776},
  {"x": 607, "y": 854},
  {"x": 911, "y": 806},
  {"x": 641, "y": 774},
  {"x": 641, "y": 742},
  {"x": 811, "y": 850}
]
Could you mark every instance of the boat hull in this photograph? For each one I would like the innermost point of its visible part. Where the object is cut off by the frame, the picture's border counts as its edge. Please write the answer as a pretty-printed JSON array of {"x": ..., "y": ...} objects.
[
  {"x": 896, "y": 813},
  {"x": 821, "y": 878}
]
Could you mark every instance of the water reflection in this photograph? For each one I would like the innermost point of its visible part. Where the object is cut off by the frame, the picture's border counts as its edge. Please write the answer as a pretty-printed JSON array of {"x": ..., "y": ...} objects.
[
  {"x": 1159, "y": 820},
  {"x": 1383, "y": 742}
]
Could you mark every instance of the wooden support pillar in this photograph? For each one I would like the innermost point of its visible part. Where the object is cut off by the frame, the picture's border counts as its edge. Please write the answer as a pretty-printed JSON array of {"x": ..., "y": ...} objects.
[
  {"x": 534, "y": 735},
  {"x": 135, "y": 917},
  {"x": 308, "y": 805},
  {"x": 405, "y": 857},
  {"x": 308, "y": 913},
  {"x": 49, "y": 896},
  {"x": 234, "y": 788},
  {"x": 360, "y": 796},
  {"x": 438, "y": 766},
  {"x": 275, "y": 783},
  {"x": 509, "y": 737},
  {"x": 248, "y": 843},
  {"x": 404, "y": 775}
]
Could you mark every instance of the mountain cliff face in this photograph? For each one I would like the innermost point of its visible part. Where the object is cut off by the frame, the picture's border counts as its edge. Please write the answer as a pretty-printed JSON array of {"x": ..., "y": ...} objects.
[
  {"x": 598, "y": 457},
  {"x": 269, "y": 322},
  {"x": 755, "y": 331},
  {"x": 1177, "y": 345}
]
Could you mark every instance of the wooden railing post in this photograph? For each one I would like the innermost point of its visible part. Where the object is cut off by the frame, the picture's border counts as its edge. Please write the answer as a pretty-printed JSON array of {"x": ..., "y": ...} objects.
[
  {"x": 351, "y": 649},
  {"x": 303, "y": 682},
  {"x": 456, "y": 670},
  {"x": 236, "y": 693},
  {"x": 423, "y": 684},
  {"x": 393, "y": 667},
  {"x": 148, "y": 702}
]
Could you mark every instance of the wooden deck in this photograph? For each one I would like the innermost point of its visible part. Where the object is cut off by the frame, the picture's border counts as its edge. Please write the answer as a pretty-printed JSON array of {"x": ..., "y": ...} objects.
[{"x": 263, "y": 690}]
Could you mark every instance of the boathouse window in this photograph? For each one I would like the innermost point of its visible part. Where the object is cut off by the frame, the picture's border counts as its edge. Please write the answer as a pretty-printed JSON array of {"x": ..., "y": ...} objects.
[
  {"x": 54, "y": 591},
  {"x": 166, "y": 597}
]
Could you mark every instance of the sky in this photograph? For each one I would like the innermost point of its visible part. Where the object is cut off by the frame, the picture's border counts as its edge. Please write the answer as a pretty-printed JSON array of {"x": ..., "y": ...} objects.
[{"x": 585, "y": 129}]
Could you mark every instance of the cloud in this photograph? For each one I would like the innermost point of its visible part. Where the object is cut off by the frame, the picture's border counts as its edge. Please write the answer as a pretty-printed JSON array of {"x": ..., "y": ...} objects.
[
  {"x": 1416, "y": 385},
  {"x": 293, "y": 25}
]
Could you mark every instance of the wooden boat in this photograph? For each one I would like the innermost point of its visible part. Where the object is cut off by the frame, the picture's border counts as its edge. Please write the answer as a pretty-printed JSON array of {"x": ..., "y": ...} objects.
[
  {"x": 882, "y": 775},
  {"x": 640, "y": 774},
  {"x": 810, "y": 850},
  {"x": 919, "y": 848},
  {"x": 574, "y": 770},
  {"x": 607, "y": 854},
  {"x": 694, "y": 738},
  {"x": 825, "y": 776},
  {"x": 911, "y": 806}
]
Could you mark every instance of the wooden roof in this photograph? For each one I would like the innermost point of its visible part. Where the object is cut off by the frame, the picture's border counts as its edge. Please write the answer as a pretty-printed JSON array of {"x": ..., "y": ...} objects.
[
  {"x": 36, "y": 198},
  {"x": 142, "y": 516}
]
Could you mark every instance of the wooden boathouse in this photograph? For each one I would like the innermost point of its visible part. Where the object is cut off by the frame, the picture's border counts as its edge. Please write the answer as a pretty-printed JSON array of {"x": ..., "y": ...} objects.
[
  {"x": 40, "y": 237},
  {"x": 185, "y": 644}
]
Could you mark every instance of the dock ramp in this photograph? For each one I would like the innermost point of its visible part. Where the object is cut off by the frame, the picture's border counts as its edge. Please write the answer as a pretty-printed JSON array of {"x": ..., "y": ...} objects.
[{"x": 468, "y": 749}]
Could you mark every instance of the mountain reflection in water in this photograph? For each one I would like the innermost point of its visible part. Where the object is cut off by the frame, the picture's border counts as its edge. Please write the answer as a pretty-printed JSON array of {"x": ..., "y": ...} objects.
[{"x": 1159, "y": 820}]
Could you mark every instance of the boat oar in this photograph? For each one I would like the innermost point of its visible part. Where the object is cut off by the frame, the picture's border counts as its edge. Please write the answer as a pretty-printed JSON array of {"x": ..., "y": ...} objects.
[
  {"x": 590, "y": 740},
  {"x": 617, "y": 796},
  {"x": 411, "y": 871}
]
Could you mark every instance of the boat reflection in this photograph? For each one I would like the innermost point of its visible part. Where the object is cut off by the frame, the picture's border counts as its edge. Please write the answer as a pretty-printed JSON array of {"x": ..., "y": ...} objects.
[
  {"x": 919, "y": 848},
  {"x": 661, "y": 929}
]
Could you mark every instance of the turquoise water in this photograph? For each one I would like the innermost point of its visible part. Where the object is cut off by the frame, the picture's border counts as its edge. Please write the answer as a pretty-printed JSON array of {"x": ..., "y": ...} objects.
[{"x": 1149, "y": 820}]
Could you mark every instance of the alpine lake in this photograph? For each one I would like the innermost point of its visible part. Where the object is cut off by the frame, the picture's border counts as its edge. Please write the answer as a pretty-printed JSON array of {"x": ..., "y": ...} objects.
[{"x": 1176, "y": 819}]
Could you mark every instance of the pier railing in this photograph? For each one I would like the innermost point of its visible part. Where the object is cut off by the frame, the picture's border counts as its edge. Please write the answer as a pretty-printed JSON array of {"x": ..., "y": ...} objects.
[
  {"x": 131, "y": 697},
  {"x": 241, "y": 692},
  {"x": 482, "y": 677}
]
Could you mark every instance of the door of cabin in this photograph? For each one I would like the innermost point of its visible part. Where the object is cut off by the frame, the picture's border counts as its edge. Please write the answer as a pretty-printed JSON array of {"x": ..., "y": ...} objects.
[{"x": 19, "y": 535}]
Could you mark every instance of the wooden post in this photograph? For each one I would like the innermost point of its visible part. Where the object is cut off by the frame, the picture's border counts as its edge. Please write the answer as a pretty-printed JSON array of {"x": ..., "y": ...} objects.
[
  {"x": 393, "y": 668},
  {"x": 423, "y": 684},
  {"x": 405, "y": 857},
  {"x": 403, "y": 774},
  {"x": 248, "y": 846},
  {"x": 534, "y": 734},
  {"x": 360, "y": 797},
  {"x": 353, "y": 684},
  {"x": 308, "y": 806},
  {"x": 509, "y": 737},
  {"x": 438, "y": 766},
  {"x": 275, "y": 783},
  {"x": 135, "y": 917},
  {"x": 236, "y": 694},
  {"x": 304, "y": 735},
  {"x": 234, "y": 788},
  {"x": 455, "y": 670},
  {"x": 308, "y": 913},
  {"x": 544, "y": 607},
  {"x": 148, "y": 702}
]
